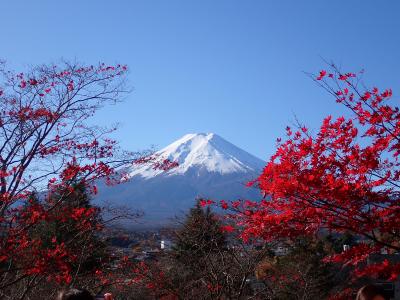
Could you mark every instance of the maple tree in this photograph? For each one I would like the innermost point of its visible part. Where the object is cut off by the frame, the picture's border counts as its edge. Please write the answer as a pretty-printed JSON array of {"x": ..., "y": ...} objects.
[
  {"x": 344, "y": 178},
  {"x": 200, "y": 234},
  {"x": 47, "y": 149}
]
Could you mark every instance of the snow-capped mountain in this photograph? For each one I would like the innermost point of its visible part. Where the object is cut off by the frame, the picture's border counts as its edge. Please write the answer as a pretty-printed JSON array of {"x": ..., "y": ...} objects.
[
  {"x": 209, "y": 166},
  {"x": 206, "y": 152}
]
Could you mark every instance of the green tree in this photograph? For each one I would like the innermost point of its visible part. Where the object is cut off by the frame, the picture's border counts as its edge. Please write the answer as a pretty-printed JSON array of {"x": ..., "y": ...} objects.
[
  {"x": 206, "y": 262},
  {"x": 199, "y": 236}
]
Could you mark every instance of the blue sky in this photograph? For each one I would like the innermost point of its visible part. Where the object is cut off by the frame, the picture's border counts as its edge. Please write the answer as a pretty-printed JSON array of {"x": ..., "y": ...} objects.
[{"x": 229, "y": 67}]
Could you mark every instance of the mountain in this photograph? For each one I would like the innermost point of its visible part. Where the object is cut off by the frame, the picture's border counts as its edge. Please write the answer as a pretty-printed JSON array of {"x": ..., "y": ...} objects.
[{"x": 209, "y": 167}]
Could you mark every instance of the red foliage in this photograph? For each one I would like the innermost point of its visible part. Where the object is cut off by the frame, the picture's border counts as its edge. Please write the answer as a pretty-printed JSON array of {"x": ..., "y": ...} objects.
[
  {"x": 227, "y": 228},
  {"x": 46, "y": 145},
  {"x": 206, "y": 202},
  {"x": 156, "y": 162},
  {"x": 322, "y": 74},
  {"x": 344, "y": 178}
]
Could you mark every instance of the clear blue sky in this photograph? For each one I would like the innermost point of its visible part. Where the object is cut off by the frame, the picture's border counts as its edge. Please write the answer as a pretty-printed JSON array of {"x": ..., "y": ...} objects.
[{"x": 229, "y": 67}]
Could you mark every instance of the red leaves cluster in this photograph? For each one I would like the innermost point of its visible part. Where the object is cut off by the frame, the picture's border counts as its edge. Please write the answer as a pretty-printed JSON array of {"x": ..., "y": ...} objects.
[
  {"x": 35, "y": 256},
  {"x": 156, "y": 162},
  {"x": 227, "y": 228},
  {"x": 206, "y": 202},
  {"x": 213, "y": 288},
  {"x": 43, "y": 85},
  {"x": 322, "y": 74},
  {"x": 344, "y": 178},
  {"x": 165, "y": 165},
  {"x": 24, "y": 114},
  {"x": 47, "y": 145}
]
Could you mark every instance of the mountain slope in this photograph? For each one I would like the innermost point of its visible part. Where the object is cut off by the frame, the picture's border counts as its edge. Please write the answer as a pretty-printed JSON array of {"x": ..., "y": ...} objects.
[{"x": 209, "y": 166}]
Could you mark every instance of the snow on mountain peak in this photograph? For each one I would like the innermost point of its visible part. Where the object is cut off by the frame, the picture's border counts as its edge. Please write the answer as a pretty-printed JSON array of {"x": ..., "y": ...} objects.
[{"x": 203, "y": 152}]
